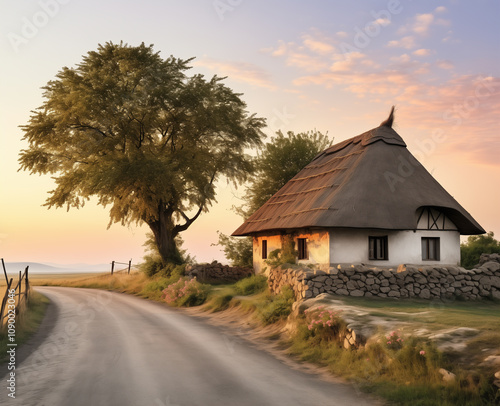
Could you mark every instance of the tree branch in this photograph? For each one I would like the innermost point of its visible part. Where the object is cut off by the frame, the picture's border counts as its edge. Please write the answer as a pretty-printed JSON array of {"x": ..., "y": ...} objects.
[{"x": 178, "y": 228}]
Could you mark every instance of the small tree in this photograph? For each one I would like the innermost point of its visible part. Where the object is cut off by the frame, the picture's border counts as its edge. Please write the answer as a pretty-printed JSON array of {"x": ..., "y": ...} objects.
[
  {"x": 238, "y": 250},
  {"x": 134, "y": 130},
  {"x": 476, "y": 245},
  {"x": 280, "y": 160}
]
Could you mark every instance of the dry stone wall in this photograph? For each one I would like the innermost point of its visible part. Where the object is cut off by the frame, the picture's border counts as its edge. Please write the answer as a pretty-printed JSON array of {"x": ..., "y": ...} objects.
[
  {"x": 404, "y": 282},
  {"x": 216, "y": 272}
]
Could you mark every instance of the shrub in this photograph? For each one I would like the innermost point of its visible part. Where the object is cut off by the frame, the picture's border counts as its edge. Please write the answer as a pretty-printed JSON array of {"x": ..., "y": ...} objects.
[
  {"x": 277, "y": 306},
  {"x": 471, "y": 251},
  {"x": 325, "y": 325},
  {"x": 286, "y": 255},
  {"x": 186, "y": 292},
  {"x": 394, "y": 340},
  {"x": 251, "y": 285}
]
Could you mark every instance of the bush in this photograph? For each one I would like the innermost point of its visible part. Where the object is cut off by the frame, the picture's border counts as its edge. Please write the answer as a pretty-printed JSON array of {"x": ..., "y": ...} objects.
[
  {"x": 251, "y": 285},
  {"x": 186, "y": 292},
  {"x": 277, "y": 307},
  {"x": 471, "y": 251},
  {"x": 324, "y": 325}
]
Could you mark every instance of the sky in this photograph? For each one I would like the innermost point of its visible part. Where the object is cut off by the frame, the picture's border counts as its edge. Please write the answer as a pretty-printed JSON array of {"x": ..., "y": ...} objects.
[{"x": 334, "y": 66}]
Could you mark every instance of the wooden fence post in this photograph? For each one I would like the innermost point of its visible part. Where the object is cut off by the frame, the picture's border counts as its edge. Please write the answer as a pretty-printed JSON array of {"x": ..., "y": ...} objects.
[
  {"x": 5, "y": 272},
  {"x": 20, "y": 284},
  {"x": 4, "y": 301},
  {"x": 112, "y": 267},
  {"x": 129, "y": 265},
  {"x": 27, "y": 285}
]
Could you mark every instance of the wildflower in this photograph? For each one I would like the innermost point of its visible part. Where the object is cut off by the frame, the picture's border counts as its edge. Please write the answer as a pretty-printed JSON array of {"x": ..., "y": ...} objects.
[{"x": 422, "y": 352}]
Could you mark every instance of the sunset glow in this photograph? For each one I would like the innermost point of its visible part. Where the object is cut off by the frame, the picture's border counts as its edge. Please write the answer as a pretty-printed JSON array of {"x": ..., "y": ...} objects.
[{"x": 334, "y": 66}]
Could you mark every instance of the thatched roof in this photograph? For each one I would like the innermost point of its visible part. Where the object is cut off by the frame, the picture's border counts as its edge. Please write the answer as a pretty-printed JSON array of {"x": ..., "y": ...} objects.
[{"x": 369, "y": 181}]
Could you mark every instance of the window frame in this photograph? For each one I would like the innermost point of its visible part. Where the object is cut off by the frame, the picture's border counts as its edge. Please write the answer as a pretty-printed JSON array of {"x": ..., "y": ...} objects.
[
  {"x": 264, "y": 249},
  {"x": 303, "y": 252},
  {"x": 373, "y": 252},
  {"x": 427, "y": 250}
]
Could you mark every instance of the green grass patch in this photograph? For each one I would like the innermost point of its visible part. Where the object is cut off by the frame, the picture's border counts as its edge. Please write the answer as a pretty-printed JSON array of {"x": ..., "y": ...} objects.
[
  {"x": 27, "y": 322},
  {"x": 251, "y": 285}
]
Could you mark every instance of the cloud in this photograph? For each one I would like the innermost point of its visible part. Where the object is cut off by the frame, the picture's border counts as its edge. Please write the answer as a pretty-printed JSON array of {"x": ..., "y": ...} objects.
[
  {"x": 240, "y": 71},
  {"x": 422, "y": 23},
  {"x": 407, "y": 42},
  {"x": 322, "y": 47},
  {"x": 445, "y": 64},
  {"x": 464, "y": 107},
  {"x": 422, "y": 52}
]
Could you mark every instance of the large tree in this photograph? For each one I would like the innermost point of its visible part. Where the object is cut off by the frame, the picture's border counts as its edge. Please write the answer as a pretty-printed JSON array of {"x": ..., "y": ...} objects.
[
  {"x": 142, "y": 136},
  {"x": 279, "y": 161}
]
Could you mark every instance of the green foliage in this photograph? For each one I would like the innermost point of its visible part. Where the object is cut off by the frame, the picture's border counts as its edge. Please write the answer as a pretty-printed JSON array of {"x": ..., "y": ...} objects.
[
  {"x": 276, "y": 307},
  {"x": 239, "y": 250},
  {"x": 251, "y": 285},
  {"x": 285, "y": 255},
  {"x": 280, "y": 160},
  {"x": 477, "y": 245},
  {"x": 164, "y": 277},
  {"x": 142, "y": 136}
]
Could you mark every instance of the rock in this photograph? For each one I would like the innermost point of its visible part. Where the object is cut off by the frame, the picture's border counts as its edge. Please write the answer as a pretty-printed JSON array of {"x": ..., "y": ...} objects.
[
  {"x": 357, "y": 293},
  {"x": 448, "y": 376},
  {"x": 497, "y": 375},
  {"x": 342, "y": 292},
  {"x": 425, "y": 294}
]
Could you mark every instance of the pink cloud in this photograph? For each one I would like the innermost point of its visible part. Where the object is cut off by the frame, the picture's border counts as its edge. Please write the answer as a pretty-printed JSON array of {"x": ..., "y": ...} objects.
[{"x": 241, "y": 71}]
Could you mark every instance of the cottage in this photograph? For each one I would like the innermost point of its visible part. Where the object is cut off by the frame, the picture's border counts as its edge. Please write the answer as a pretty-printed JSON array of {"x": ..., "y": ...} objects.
[{"x": 364, "y": 200}]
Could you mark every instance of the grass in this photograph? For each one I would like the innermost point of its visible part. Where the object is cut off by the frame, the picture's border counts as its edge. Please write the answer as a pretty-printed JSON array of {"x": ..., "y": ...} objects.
[{"x": 27, "y": 322}]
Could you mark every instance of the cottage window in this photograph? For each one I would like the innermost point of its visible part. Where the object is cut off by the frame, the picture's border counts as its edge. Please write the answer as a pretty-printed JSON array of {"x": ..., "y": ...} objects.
[
  {"x": 377, "y": 248},
  {"x": 302, "y": 248},
  {"x": 264, "y": 249},
  {"x": 430, "y": 249}
]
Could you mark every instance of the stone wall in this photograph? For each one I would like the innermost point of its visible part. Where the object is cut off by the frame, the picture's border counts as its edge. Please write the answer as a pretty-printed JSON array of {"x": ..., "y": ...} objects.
[
  {"x": 217, "y": 273},
  {"x": 404, "y": 282}
]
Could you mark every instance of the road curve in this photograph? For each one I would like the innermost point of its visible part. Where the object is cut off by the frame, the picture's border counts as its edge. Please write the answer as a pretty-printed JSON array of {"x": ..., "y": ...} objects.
[{"x": 102, "y": 348}]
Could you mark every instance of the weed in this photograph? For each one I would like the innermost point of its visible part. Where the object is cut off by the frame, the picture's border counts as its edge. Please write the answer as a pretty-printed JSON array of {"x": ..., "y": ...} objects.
[
  {"x": 276, "y": 307},
  {"x": 251, "y": 285}
]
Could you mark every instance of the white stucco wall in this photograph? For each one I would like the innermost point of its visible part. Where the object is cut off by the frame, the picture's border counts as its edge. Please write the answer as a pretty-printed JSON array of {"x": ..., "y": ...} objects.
[{"x": 404, "y": 247}]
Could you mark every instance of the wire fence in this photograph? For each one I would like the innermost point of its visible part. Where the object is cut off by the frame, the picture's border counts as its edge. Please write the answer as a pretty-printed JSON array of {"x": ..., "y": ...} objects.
[{"x": 16, "y": 294}]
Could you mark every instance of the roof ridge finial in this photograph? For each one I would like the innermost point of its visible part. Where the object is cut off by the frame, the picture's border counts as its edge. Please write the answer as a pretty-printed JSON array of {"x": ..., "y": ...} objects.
[{"x": 388, "y": 122}]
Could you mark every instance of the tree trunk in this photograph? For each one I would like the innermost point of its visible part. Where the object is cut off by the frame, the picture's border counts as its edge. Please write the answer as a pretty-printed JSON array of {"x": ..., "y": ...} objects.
[{"x": 165, "y": 233}]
